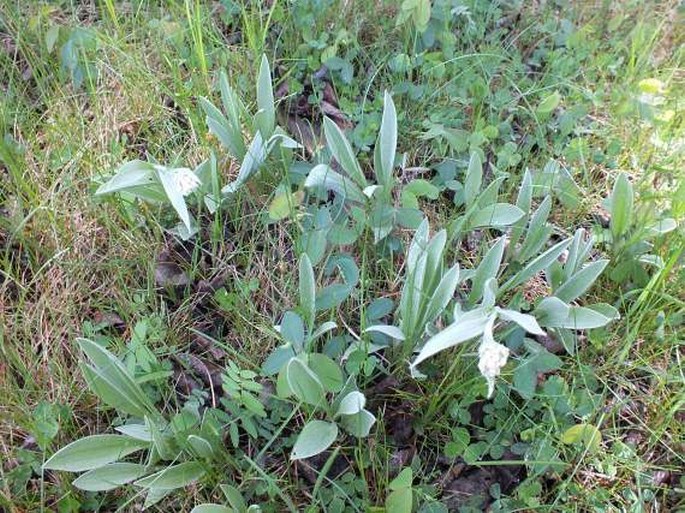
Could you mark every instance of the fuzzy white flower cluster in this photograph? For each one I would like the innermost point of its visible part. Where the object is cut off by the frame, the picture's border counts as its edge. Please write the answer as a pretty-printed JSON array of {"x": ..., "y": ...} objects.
[
  {"x": 185, "y": 180},
  {"x": 492, "y": 357}
]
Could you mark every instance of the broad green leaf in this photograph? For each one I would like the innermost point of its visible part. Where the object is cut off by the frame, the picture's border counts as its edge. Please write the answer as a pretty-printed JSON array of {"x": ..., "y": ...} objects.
[
  {"x": 137, "y": 431},
  {"x": 254, "y": 158},
  {"x": 154, "y": 495},
  {"x": 473, "y": 179},
  {"x": 381, "y": 220},
  {"x": 342, "y": 152},
  {"x": 322, "y": 330},
  {"x": 292, "y": 330},
  {"x": 332, "y": 296},
  {"x": 201, "y": 447},
  {"x": 110, "y": 380},
  {"x": 662, "y": 226},
  {"x": 323, "y": 176},
  {"x": 391, "y": 331},
  {"x": 171, "y": 478},
  {"x": 387, "y": 141},
  {"x": 403, "y": 480},
  {"x": 548, "y": 104},
  {"x": 551, "y": 311},
  {"x": 212, "y": 508},
  {"x": 621, "y": 206},
  {"x": 487, "y": 269},
  {"x": 234, "y": 497},
  {"x": 315, "y": 437},
  {"x": 581, "y": 281},
  {"x": 585, "y": 434},
  {"x": 422, "y": 188},
  {"x": 468, "y": 326},
  {"x": 351, "y": 404},
  {"x": 400, "y": 499},
  {"x": 135, "y": 173},
  {"x": 538, "y": 360},
  {"x": 174, "y": 195},
  {"x": 497, "y": 215},
  {"x": 329, "y": 373},
  {"x": 92, "y": 452},
  {"x": 307, "y": 287},
  {"x": 536, "y": 265},
  {"x": 585, "y": 318},
  {"x": 109, "y": 477},
  {"x": 359, "y": 424},
  {"x": 283, "y": 205},
  {"x": 527, "y": 322},
  {"x": 277, "y": 359},
  {"x": 304, "y": 383},
  {"x": 266, "y": 116}
]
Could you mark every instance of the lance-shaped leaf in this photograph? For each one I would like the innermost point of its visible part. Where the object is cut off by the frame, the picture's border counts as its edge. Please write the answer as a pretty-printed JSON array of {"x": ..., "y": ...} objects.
[
  {"x": 92, "y": 452},
  {"x": 473, "y": 179},
  {"x": 621, "y": 206},
  {"x": 323, "y": 176},
  {"x": 254, "y": 158},
  {"x": 109, "y": 477},
  {"x": 171, "y": 478},
  {"x": 386, "y": 146},
  {"x": 468, "y": 326},
  {"x": 342, "y": 152},
  {"x": 580, "y": 282},
  {"x": 536, "y": 265},
  {"x": 265, "y": 119},
  {"x": 497, "y": 215}
]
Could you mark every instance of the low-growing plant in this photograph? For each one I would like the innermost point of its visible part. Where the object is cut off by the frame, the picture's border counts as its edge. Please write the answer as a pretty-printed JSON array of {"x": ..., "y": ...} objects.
[
  {"x": 159, "y": 184},
  {"x": 179, "y": 449},
  {"x": 630, "y": 232},
  {"x": 314, "y": 379}
]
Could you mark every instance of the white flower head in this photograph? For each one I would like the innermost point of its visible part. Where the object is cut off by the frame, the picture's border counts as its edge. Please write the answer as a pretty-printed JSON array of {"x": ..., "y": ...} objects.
[
  {"x": 185, "y": 180},
  {"x": 492, "y": 357}
]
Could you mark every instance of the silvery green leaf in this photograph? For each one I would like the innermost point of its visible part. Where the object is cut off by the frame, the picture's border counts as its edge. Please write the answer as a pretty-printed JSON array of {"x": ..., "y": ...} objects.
[
  {"x": 351, "y": 404},
  {"x": 473, "y": 179},
  {"x": 538, "y": 231},
  {"x": 304, "y": 383},
  {"x": 584, "y": 318},
  {"x": 307, "y": 288},
  {"x": 650, "y": 259},
  {"x": 621, "y": 206},
  {"x": 211, "y": 508},
  {"x": 497, "y": 215},
  {"x": 233, "y": 108},
  {"x": 292, "y": 330},
  {"x": 201, "y": 447},
  {"x": 342, "y": 152},
  {"x": 135, "y": 173},
  {"x": 175, "y": 196},
  {"x": 488, "y": 268},
  {"x": 391, "y": 331},
  {"x": 328, "y": 372},
  {"x": 323, "y": 176},
  {"x": 137, "y": 431},
  {"x": 387, "y": 143},
  {"x": 93, "y": 452},
  {"x": 254, "y": 158},
  {"x": 662, "y": 226},
  {"x": 359, "y": 424},
  {"x": 109, "y": 476},
  {"x": 442, "y": 294},
  {"x": 173, "y": 477},
  {"x": 490, "y": 194},
  {"x": 227, "y": 134},
  {"x": 109, "y": 374},
  {"x": 551, "y": 311},
  {"x": 527, "y": 322},
  {"x": 469, "y": 326},
  {"x": 315, "y": 437},
  {"x": 536, "y": 265},
  {"x": 277, "y": 359},
  {"x": 434, "y": 252},
  {"x": 580, "y": 282},
  {"x": 489, "y": 293},
  {"x": 265, "y": 118},
  {"x": 323, "y": 329},
  {"x": 234, "y": 498}
]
